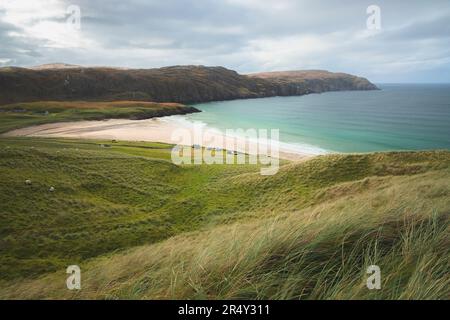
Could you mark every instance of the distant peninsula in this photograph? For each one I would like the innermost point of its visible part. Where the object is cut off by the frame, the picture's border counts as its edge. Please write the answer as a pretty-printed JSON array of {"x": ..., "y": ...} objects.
[{"x": 179, "y": 84}]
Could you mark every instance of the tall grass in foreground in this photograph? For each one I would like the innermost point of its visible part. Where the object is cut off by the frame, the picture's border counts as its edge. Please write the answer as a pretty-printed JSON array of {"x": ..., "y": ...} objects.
[{"x": 401, "y": 224}]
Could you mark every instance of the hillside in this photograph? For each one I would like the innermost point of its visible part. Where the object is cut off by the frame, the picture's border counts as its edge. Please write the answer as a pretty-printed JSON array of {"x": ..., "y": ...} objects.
[
  {"x": 182, "y": 84},
  {"x": 313, "y": 81},
  {"x": 55, "y": 66},
  {"x": 19, "y": 115},
  {"x": 141, "y": 227}
]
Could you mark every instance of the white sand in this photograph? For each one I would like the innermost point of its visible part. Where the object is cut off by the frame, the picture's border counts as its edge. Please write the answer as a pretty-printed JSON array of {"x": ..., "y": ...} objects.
[{"x": 155, "y": 130}]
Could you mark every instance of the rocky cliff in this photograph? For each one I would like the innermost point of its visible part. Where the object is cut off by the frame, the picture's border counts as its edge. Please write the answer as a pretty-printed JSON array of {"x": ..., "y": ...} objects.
[{"x": 183, "y": 84}]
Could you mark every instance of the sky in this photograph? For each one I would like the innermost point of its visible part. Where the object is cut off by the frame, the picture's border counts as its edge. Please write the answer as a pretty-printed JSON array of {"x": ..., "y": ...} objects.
[{"x": 403, "y": 41}]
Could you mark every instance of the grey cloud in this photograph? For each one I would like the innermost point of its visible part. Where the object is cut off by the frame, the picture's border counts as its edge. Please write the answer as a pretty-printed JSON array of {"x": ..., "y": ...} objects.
[
  {"x": 436, "y": 28},
  {"x": 140, "y": 33},
  {"x": 15, "y": 49}
]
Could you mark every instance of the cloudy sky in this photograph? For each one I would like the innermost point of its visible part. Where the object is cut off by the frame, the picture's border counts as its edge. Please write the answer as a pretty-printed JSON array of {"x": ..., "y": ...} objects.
[{"x": 413, "y": 44}]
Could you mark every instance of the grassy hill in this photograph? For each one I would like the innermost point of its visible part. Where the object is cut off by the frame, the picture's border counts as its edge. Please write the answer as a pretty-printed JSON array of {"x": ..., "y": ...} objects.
[
  {"x": 182, "y": 84},
  {"x": 19, "y": 115},
  {"x": 290, "y": 82},
  {"x": 141, "y": 227}
]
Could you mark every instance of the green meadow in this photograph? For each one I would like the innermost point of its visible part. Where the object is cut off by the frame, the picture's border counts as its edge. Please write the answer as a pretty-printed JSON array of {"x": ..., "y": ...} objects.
[
  {"x": 141, "y": 227},
  {"x": 19, "y": 115}
]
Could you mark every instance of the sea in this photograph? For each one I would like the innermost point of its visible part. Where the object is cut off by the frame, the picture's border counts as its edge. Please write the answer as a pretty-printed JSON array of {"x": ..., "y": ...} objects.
[{"x": 396, "y": 117}]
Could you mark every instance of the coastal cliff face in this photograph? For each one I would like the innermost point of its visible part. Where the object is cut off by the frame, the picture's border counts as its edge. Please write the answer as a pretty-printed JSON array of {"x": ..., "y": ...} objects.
[{"x": 182, "y": 84}]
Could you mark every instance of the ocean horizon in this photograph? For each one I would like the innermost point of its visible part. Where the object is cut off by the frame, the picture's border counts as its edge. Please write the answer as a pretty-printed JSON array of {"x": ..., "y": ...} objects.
[{"x": 411, "y": 116}]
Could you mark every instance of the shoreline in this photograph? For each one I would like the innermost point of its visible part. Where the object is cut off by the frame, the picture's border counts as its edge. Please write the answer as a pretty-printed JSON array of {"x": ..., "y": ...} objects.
[{"x": 151, "y": 130}]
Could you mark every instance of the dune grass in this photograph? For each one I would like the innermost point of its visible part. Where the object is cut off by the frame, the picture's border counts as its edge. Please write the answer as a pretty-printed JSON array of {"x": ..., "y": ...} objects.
[
  {"x": 20, "y": 115},
  {"x": 141, "y": 227},
  {"x": 400, "y": 224},
  {"x": 105, "y": 199}
]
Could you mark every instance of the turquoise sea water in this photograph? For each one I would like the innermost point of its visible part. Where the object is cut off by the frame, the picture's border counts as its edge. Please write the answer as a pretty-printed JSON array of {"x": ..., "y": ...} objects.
[{"x": 397, "y": 117}]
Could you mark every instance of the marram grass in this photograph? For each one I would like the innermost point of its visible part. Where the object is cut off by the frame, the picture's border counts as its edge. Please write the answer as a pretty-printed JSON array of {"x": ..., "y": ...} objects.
[{"x": 151, "y": 230}]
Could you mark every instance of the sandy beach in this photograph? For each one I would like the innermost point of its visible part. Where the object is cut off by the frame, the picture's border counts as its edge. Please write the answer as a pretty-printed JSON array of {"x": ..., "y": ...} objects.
[{"x": 154, "y": 130}]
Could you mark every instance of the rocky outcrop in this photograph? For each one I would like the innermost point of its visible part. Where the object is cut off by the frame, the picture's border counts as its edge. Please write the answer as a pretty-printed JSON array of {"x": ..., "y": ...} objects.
[{"x": 183, "y": 84}]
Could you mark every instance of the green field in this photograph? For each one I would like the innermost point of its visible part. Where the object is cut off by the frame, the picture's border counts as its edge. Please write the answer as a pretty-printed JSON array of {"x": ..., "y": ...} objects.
[
  {"x": 142, "y": 227},
  {"x": 19, "y": 115}
]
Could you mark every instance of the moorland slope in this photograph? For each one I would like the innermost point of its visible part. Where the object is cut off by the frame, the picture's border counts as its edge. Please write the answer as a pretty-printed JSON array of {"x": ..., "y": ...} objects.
[{"x": 182, "y": 84}]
